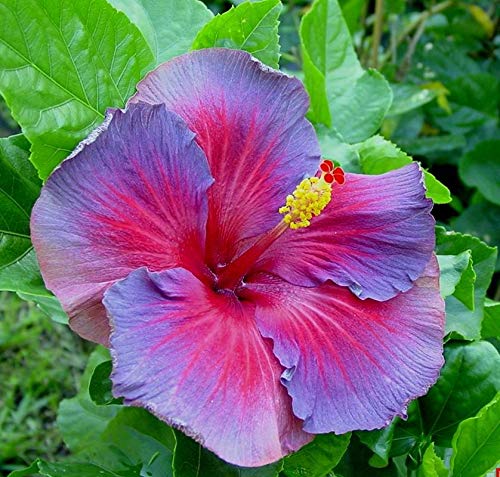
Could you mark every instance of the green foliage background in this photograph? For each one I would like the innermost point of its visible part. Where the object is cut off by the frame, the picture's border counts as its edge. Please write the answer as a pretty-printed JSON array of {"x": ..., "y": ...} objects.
[{"x": 390, "y": 81}]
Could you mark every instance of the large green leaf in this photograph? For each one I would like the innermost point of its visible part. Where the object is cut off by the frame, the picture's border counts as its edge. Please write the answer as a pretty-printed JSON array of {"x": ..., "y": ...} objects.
[
  {"x": 343, "y": 95},
  {"x": 61, "y": 65},
  {"x": 481, "y": 219},
  {"x": 19, "y": 189},
  {"x": 169, "y": 26},
  {"x": 469, "y": 379},
  {"x": 478, "y": 91},
  {"x": 251, "y": 26},
  {"x": 447, "y": 61},
  {"x": 113, "y": 436},
  {"x": 457, "y": 277},
  {"x": 460, "y": 320},
  {"x": 317, "y": 458},
  {"x": 27, "y": 471},
  {"x": 48, "y": 304},
  {"x": 135, "y": 439},
  {"x": 352, "y": 11},
  {"x": 377, "y": 155},
  {"x": 81, "y": 421},
  {"x": 474, "y": 95},
  {"x": 476, "y": 443},
  {"x": 407, "y": 97},
  {"x": 22, "y": 274},
  {"x": 429, "y": 145},
  {"x": 335, "y": 148},
  {"x": 480, "y": 168},
  {"x": 193, "y": 460},
  {"x": 72, "y": 469}
]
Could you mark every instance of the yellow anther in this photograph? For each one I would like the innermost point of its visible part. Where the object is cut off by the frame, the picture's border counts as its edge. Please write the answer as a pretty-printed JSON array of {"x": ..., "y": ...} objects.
[{"x": 309, "y": 199}]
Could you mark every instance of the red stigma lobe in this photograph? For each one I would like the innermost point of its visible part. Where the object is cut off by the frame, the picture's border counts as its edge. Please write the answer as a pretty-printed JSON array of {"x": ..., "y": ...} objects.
[{"x": 328, "y": 178}]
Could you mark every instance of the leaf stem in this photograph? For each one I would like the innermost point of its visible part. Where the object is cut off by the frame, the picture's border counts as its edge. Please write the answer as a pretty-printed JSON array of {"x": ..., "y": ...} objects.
[{"x": 377, "y": 31}]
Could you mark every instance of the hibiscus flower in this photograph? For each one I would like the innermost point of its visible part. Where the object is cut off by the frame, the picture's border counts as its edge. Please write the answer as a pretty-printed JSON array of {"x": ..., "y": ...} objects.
[{"x": 238, "y": 307}]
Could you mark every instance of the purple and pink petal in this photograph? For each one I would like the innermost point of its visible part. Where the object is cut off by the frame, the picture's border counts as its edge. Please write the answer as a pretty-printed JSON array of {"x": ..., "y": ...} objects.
[
  {"x": 375, "y": 237},
  {"x": 135, "y": 195},
  {"x": 351, "y": 363},
  {"x": 195, "y": 359},
  {"x": 250, "y": 121}
]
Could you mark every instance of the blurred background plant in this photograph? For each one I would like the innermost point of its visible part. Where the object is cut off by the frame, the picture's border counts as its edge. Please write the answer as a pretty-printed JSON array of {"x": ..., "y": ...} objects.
[
  {"x": 41, "y": 363},
  {"x": 442, "y": 62}
]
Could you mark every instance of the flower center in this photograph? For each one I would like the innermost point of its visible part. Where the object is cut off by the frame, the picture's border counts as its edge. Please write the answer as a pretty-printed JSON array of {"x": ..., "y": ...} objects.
[
  {"x": 308, "y": 200},
  {"x": 311, "y": 196}
]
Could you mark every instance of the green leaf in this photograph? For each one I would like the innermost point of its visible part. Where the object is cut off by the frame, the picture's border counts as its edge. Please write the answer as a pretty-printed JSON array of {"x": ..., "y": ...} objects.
[
  {"x": 75, "y": 469},
  {"x": 113, "y": 436},
  {"x": 28, "y": 471},
  {"x": 351, "y": 11},
  {"x": 23, "y": 275},
  {"x": 436, "y": 190},
  {"x": 395, "y": 6},
  {"x": 169, "y": 26},
  {"x": 355, "y": 463},
  {"x": 407, "y": 97},
  {"x": 252, "y": 27},
  {"x": 491, "y": 321},
  {"x": 463, "y": 120},
  {"x": 193, "y": 460},
  {"x": 71, "y": 469},
  {"x": 457, "y": 277},
  {"x": 19, "y": 189},
  {"x": 460, "y": 320},
  {"x": 334, "y": 147},
  {"x": 476, "y": 443},
  {"x": 318, "y": 457},
  {"x": 135, "y": 444},
  {"x": 480, "y": 168},
  {"x": 477, "y": 91},
  {"x": 409, "y": 433},
  {"x": 100, "y": 386},
  {"x": 343, "y": 95},
  {"x": 380, "y": 442},
  {"x": 61, "y": 65},
  {"x": 81, "y": 421},
  {"x": 138, "y": 420},
  {"x": 135, "y": 439},
  {"x": 432, "y": 465},
  {"x": 482, "y": 220},
  {"x": 469, "y": 379},
  {"x": 425, "y": 146},
  {"x": 48, "y": 304},
  {"x": 377, "y": 155},
  {"x": 447, "y": 61}
]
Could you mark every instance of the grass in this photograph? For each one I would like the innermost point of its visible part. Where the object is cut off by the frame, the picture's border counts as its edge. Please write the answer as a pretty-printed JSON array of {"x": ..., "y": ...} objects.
[{"x": 40, "y": 363}]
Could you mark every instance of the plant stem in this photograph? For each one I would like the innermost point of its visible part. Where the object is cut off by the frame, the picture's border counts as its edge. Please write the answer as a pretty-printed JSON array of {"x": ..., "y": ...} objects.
[
  {"x": 422, "y": 18},
  {"x": 290, "y": 58},
  {"x": 393, "y": 25},
  {"x": 362, "y": 23},
  {"x": 377, "y": 31},
  {"x": 405, "y": 64}
]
